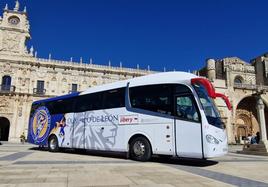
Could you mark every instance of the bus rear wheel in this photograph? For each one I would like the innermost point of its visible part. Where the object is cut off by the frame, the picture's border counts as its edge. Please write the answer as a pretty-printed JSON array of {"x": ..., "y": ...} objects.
[
  {"x": 140, "y": 149},
  {"x": 53, "y": 145}
]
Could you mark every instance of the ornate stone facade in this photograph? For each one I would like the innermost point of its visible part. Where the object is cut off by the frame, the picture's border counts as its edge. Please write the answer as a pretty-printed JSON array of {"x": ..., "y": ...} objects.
[
  {"x": 26, "y": 78},
  {"x": 240, "y": 81}
]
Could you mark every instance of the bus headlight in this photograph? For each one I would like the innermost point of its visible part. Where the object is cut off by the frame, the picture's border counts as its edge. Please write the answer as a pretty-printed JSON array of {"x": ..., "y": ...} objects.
[{"x": 212, "y": 139}]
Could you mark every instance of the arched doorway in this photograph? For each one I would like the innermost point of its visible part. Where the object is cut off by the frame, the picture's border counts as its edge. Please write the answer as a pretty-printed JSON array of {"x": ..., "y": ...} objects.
[
  {"x": 246, "y": 120},
  {"x": 4, "y": 129},
  {"x": 242, "y": 132}
]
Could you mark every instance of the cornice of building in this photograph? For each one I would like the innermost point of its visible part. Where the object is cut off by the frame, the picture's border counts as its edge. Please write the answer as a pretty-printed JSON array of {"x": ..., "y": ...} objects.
[
  {"x": 234, "y": 60},
  {"x": 51, "y": 63},
  {"x": 91, "y": 67},
  {"x": 4, "y": 28}
]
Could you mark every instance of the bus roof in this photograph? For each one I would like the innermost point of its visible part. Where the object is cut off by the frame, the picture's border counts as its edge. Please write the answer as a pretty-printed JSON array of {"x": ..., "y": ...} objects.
[
  {"x": 156, "y": 78},
  {"x": 57, "y": 98}
]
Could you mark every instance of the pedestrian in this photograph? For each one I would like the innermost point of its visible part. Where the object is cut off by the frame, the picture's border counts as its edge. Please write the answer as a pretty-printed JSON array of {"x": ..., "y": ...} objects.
[
  {"x": 249, "y": 138},
  {"x": 258, "y": 137},
  {"x": 22, "y": 138}
]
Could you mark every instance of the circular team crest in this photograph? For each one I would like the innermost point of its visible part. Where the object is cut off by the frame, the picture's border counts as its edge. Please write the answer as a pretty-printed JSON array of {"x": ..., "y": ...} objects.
[{"x": 40, "y": 124}]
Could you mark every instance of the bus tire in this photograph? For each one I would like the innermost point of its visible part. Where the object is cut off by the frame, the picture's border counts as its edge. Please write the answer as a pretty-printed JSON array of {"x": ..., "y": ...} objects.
[
  {"x": 140, "y": 149},
  {"x": 53, "y": 144}
]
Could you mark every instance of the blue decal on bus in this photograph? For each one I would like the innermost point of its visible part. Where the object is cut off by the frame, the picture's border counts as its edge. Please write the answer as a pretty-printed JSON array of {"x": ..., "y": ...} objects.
[{"x": 40, "y": 125}]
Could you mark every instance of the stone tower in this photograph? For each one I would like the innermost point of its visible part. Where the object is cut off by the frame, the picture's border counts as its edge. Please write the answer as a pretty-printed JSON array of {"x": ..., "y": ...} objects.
[
  {"x": 14, "y": 31},
  {"x": 211, "y": 69}
]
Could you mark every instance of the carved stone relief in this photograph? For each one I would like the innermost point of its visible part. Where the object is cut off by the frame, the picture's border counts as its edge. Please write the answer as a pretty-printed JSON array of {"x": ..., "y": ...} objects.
[
  {"x": 4, "y": 106},
  {"x": 7, "y": 68},
  {"x": 11, "y": 42}
]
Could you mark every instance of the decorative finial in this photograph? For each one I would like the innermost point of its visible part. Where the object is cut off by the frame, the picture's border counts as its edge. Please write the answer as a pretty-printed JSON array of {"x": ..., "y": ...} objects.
[
  {"x": 138, "y": 66},
  {"x": 148, "y": 68},
  {"x": 120, "y": 64},
  {"x": 81, "y": 60},
  {"x": 25, "y": 9},
  {"x": 71, "y": 59},
  {"x": 109, "y": 63},
  {"x": 6, "y": 7},
  {"x": 90, "y": 61},
  {"x": 35, "y": 54},
  {"x": 17, "y": 6},
  {"x": 164, "y": 69},
  {"x": 31, "y": 50},
  {"x": 49, "y": 56}
]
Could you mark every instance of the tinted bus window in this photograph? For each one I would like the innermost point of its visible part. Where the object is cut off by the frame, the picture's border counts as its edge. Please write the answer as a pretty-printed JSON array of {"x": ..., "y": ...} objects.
[
  {"x": 182, "y": 89},
  {"x": 156, "y": 98},
  {"x": 185, "y": 108},
  {"x": 61, "y": 106},
  {"x": 89, "y": 102},
  {"x": 101, "y": 100},
  {"x": 114, "y": 98}
]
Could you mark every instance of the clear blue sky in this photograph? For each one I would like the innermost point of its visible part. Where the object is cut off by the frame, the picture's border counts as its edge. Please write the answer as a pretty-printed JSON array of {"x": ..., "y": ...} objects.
[{"x": 173, "y": 34}]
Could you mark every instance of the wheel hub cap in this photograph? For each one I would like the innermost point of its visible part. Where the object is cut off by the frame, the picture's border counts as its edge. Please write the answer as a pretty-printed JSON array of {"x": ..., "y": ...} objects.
[
  {"x": 53, "y": 144},
  {"x": 139, "y": 148}
]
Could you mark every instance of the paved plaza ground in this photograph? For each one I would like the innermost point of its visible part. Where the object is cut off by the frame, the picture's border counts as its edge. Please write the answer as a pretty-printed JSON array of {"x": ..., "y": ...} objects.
[{"x": 25, "y": 165}]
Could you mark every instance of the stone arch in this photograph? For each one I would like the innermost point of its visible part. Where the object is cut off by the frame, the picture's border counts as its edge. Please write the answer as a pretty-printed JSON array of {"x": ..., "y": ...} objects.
[
  {"x": 245, "y": 123},
  {"x": 238, "y": 79},
  {"x": 246, "y": 120},
  {"x": 237, "y": 99},
  {"x": 4, "y": 129}
]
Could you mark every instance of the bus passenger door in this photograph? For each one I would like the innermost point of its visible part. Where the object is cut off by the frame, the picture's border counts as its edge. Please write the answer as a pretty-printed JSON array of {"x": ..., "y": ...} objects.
[
  {"x": 78, "y": 136},
  {"x": 187, "y": 127}
]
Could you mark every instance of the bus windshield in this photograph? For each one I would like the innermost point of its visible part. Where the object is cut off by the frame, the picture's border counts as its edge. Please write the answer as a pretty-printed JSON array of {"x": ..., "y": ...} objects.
[{"x": 209, "y": 107}]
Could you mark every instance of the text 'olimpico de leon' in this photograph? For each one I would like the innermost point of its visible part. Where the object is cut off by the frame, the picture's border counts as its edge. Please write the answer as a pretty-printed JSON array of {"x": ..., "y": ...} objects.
[{"x": 26, "y": 78}]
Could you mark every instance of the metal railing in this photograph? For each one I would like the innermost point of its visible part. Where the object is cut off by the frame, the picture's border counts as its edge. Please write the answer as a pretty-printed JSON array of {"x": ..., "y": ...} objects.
[
  {"x": 37, "y": 91},
  {"x": 7, "y": 88}
]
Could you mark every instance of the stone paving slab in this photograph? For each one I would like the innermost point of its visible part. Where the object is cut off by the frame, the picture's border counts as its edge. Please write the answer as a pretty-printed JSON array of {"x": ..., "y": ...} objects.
[
  {"x": 42, "y": 168},
  {"x": 14, "y": 156}
]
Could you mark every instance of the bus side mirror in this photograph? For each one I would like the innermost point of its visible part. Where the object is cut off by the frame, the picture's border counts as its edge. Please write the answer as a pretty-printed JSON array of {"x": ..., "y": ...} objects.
[
  {"x": 226, "y": 100},
  {"x": 211, "y": 91}
]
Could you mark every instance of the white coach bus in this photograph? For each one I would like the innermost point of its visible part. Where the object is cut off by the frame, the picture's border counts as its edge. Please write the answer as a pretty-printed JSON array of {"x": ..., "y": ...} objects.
[{"x": 169, "y": 113}]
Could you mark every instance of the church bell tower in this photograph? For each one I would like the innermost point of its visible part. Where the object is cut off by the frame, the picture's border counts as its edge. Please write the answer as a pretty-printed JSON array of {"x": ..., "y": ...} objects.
[{"x": 14, "y": 31}]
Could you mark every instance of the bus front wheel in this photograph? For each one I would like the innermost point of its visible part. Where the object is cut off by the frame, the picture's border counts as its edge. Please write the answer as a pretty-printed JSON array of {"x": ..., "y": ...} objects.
[
  {"x": 140, "y": 149},
  {"x": 53, "y": 145}
]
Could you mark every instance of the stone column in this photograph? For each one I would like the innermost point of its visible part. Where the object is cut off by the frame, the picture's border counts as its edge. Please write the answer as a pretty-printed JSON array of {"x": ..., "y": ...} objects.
[{"x": 261, "y": 119}]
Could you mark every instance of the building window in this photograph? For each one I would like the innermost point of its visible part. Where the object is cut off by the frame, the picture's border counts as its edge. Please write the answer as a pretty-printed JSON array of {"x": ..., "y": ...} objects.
[
  {"x": 238, "y": 80},
  {"x": 74, "y": 88},
  {"x": 6, "y": 83},
  {"x": 40, "y": 88}
]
